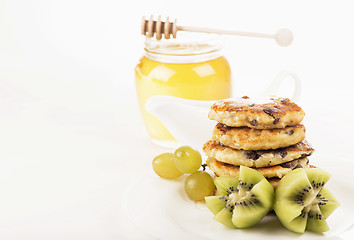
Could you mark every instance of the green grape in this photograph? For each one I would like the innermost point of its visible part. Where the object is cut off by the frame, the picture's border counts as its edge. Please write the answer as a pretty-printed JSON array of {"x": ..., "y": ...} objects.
[
  {"x": 164, "y": 166},
  {"x": 199, "y": 185},
  {"x": 187, "y": 160}
]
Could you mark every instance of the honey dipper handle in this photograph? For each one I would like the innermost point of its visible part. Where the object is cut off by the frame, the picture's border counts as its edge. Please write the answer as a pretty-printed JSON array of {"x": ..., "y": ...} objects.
[
  {"x": 283, "y": 37},
  {"x": 220, "y": 31}
]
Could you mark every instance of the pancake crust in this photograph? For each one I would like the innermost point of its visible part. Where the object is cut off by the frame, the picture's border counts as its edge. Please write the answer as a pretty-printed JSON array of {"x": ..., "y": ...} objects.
[
  {"x": 274, "y": 182},
  {"x": 253, "y": 113},
  {"x": 260, "y": 158},
  {"x": 258, "y": 139},
  {"x": 279, "y": 171}
]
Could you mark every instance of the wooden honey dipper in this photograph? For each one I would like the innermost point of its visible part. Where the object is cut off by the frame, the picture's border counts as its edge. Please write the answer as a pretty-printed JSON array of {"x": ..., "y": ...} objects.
[{"x": 283, "y": 37}]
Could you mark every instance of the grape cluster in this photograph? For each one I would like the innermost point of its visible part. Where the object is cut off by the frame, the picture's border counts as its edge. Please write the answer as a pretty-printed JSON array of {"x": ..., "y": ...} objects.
[{"x": 185, "y": 159}]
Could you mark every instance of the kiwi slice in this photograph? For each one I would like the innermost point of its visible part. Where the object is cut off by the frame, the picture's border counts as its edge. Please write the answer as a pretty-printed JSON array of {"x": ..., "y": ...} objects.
[
  {"x": 242, "y": 202},
  {"x": 301, "y": 201}
]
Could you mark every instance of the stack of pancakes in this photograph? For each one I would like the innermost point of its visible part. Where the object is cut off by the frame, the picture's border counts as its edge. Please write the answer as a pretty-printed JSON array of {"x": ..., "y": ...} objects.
[{"x": 266, "y": 135}]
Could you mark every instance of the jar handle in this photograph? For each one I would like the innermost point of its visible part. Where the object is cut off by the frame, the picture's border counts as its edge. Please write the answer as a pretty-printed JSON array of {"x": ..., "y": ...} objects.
[{"x": 278, "y": 80}]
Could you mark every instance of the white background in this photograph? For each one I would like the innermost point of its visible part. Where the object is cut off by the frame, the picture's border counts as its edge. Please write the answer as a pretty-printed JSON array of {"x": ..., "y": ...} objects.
[{"x": 71, "y": 135}]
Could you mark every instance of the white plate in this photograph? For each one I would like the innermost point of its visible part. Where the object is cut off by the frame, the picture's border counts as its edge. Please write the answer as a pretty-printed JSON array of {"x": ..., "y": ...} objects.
[{"x": 161, "y": 209}]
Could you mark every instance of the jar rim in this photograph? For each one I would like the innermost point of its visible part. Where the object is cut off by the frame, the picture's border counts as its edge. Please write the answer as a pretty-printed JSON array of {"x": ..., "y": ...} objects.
[
  {"x": 190, "y": 46},
  {"x": 185, "y": 44}
]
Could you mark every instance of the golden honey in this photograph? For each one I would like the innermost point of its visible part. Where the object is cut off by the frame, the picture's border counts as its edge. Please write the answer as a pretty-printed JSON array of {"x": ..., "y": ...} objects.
[{"x": 195, "y": 71}]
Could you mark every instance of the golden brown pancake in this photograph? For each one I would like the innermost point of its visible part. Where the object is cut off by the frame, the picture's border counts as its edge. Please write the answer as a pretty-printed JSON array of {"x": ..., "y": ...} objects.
[
  {"x": 260, "y": 158},
  {"x": 258, "y": 139},
  {"x": 225, "y": 169},
  {"x": 254, "y": 113}
]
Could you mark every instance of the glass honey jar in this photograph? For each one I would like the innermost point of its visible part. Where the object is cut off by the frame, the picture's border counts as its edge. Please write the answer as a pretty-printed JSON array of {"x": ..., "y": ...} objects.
[{"x": 191, "y": 68}]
